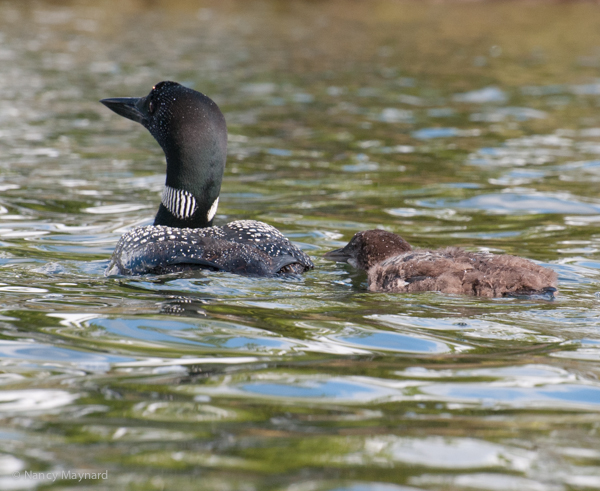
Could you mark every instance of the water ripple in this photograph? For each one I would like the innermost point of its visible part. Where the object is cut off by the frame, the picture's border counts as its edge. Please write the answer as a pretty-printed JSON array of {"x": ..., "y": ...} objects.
[
  {"x": 518, "y": 204},
  {"x": 35, "y": 401},
  {"x": 334, "y": 389},
  {"x": 564, "y": 396},
  {"x": 390, "y": 341}
]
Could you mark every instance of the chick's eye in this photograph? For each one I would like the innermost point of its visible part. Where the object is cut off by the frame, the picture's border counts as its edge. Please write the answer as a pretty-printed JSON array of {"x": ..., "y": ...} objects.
[{"x": 151, "y": 107}]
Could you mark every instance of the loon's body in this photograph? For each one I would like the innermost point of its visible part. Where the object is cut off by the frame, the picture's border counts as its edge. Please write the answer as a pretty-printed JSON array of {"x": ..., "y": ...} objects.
[
  {"x": 393, "y": 266},
  {"x": 192, "y": 132}
]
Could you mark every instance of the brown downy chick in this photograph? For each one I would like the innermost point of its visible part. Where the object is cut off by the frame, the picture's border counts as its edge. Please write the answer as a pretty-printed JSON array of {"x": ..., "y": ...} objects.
[{"x": 393, "y": 266}]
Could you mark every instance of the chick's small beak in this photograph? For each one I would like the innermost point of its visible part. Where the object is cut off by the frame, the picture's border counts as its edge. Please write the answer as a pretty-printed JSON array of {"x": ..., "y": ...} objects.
[{"x": 340, "y": 255}]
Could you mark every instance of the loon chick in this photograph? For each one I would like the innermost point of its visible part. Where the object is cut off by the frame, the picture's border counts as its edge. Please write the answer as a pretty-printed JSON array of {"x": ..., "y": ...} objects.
[
  {"x": 393, "y": 266},
  {"x": 192, "y": 132}
]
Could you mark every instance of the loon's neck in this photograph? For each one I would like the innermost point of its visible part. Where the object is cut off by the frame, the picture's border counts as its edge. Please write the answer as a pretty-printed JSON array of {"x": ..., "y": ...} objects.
[
  {"x": 195, "y": 169},
  {"x": 182, "y": 209}
]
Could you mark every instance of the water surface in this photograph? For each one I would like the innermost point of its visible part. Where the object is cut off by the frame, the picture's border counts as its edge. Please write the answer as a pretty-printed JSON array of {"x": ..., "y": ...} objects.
[{"x": 470, "y": 124}]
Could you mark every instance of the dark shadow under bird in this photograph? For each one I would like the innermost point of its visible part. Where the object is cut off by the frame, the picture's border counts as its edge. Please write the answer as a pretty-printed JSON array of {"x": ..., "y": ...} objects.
[
  {"x": 393, "y": 266},
  {"x": 191, "y": 130}
]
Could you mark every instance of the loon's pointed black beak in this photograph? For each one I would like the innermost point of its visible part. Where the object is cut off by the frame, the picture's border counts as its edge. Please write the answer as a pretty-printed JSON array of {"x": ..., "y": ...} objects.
[
  {"x": 128, "y": 107},
  {"x": 340, "y": 255}
]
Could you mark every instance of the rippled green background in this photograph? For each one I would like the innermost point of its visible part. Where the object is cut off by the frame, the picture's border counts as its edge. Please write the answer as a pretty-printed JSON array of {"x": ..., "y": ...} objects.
[{"x": 473, "y": 124}]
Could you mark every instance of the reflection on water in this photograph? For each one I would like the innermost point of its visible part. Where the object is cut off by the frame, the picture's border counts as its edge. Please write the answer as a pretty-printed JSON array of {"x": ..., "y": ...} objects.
[
  {"x": 470, "y": 124},
  {"x": 332, "y": 388},
  {"x": 520, "y": 203}
]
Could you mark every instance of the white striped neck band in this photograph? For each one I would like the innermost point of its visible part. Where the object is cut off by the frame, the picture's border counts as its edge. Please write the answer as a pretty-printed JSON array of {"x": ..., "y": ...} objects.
[
  {"x": 180, "y": 203},
  {"x": 213, "y": 210}
]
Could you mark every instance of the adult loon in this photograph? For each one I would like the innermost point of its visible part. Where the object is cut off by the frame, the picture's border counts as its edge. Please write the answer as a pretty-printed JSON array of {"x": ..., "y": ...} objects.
[
  {"x": 192, "y": 132},
  {"x": 393, "y": 266}
]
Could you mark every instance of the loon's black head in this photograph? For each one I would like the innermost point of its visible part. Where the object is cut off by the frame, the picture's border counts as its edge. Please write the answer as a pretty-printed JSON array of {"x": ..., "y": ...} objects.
[
  {"x": 191, "y": 130},
  {"x": 370, "y": 247}
]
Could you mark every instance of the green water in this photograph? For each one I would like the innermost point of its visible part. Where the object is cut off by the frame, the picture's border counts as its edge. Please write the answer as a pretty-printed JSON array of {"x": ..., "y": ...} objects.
[{"x": 472, "y": 124}]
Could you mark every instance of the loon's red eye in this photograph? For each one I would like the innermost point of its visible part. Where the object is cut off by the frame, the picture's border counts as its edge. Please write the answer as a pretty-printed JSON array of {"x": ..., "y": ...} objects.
[{"x": 151, "y": 107}]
